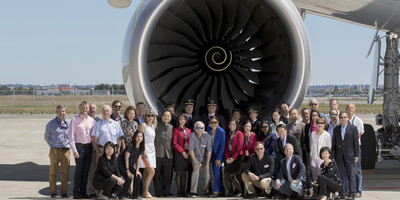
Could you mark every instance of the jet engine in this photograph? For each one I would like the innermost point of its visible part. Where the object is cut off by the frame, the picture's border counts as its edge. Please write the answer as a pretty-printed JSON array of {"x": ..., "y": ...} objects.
[{"x": 236, "y": 52}]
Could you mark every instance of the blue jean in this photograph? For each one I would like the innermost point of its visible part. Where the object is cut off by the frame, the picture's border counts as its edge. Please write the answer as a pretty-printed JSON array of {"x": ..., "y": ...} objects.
[
  {"x": 82, "y": 168},
  {"x": 287, "y": 188},
  {"x": 359, "y": 175}
]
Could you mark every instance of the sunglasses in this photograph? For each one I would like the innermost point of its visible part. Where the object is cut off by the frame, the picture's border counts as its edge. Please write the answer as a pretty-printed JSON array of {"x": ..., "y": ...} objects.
[
  {"x": 117, "y": 106},
  {"x": 342, "y": 117},
  {"x": 214, "y": 122},
  {"x": 150, "y": 115},
  {"x": 313, "y": 104},
  {"x": 199, "y": 128},
  {"x": 333, "y": 115}
]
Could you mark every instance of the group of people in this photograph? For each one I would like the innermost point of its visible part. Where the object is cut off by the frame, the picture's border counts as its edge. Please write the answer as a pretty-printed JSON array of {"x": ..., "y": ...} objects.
[{"x": 121, "y": 154}]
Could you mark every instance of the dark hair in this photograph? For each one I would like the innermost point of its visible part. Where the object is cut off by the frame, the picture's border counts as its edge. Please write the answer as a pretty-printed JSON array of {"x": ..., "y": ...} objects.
[
  {"x": 236, "y": 124},
  {"x": 277, "y": 111},
  {"x": 185, "y": 117},
  {"x": 323, "y": 149},
  {"x": 115, "y": 102},
  {"x": 213, "y": 117},
  {"x": 281, "y": 126},
  {"x": 284, "y": 102},
  {"x": 129, "y": 108},
  {"x": 267, "y": 123},
  {"x": 343, "y": 112},
  {"x": 311, "y": 119},
  {"x": 140, "y": 103},
  {"x": 141, "y": 146},
  {"x": 258, "y": 143},
  {"x": 237, "y": 110},
  {"x": 109, "y": 143}
]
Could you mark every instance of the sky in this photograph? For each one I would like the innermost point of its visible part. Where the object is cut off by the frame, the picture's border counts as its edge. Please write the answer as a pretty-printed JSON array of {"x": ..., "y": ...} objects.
[{"x": 80, "y": 43}]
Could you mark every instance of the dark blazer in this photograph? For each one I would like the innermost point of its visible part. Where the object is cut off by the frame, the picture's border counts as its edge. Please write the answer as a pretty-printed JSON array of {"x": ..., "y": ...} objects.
[
  {"x": 256, "y": 128},
  {"x": 205, "y": 119},
  {"x": 263, "y": 168},
  {"x": 107, "y": 168},
  {"x": 297, "y": 169},
  {"x": 348, "y": 148},
  {"x": 270, "y": 144},
  {"x": 289, "y": 139},
  {"x": 219, "y": 144}
]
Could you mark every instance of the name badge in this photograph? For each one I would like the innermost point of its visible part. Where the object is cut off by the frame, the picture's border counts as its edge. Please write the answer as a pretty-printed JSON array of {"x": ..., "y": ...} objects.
[
  {"x": 297, "y": 131},
  {"x": 203, "y": 146},
  {"x": 294, "y": 165},
  {"x": 186, "y": 146},
  {"x": 266, "y": 166},
  {"x": 247, "y": 153},
  {"x": 230, "y": 147}
]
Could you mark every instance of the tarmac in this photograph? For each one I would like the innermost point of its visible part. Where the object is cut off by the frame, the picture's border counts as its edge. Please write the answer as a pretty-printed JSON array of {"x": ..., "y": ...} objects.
[{"x": 24, "y": 165}]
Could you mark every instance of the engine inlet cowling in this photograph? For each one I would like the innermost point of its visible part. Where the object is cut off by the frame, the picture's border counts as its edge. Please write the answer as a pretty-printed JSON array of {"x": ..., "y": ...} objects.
[{"x": 237, "y": 52}]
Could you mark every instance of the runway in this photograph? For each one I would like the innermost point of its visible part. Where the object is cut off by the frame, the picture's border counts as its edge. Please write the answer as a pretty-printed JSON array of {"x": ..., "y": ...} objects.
[{"x": 24, "y": 162}]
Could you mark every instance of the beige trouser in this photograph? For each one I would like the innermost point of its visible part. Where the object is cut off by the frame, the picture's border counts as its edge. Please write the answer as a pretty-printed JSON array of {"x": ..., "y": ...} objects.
[
  {"x": 93, "y": 167},
  {"x": 58, "y": 156},
  {"x": 263, "y": 184},
  {"x": 196, "y": 175}
]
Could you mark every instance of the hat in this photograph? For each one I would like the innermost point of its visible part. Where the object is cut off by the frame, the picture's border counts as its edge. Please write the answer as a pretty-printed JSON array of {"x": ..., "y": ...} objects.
[
  {"x": 211, "y": 103},
  {"x": 169, "y": 104},
  {"x": 252, "y": 109},
  {"x": 189, "y": 102}
]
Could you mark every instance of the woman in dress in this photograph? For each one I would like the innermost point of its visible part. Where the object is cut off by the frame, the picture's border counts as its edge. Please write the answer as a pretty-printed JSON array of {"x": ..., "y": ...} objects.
[
  {"x": 107, "y": 176},
  {"x": 127, "y": 160},
  {"x": 319, "y": 139},
  {"x": 233, "y": 158},
  {"x": 149, "y": 157},
  {"x": 180, "y": 141},
  {"x": 308, "y": 129},
  {"x": 328, "y": 181},
  {"x": 218, "y": 146},
  {"x": 129, "y": 126},
  {"x": 276, "y": 119}
]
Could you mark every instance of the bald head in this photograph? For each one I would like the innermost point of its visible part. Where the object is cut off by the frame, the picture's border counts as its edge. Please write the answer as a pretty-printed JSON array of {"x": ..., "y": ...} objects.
[{"x": 313, "y": 104}]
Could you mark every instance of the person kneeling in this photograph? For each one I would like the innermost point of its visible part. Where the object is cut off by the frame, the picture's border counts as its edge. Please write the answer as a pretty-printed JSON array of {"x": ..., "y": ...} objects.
[
  {"x": 107, "y": 176},
  {"x": 291, "y": 177},
  {"x": 258, "y": 172}
]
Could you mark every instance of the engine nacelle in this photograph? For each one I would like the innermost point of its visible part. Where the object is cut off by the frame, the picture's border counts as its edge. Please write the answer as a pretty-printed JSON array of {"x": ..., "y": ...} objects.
[{"x": 237, "y": 52}]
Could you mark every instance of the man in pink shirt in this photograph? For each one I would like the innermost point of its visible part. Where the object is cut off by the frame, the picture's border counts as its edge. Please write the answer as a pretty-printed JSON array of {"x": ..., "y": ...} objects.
[{"x": 81, "y": 147}]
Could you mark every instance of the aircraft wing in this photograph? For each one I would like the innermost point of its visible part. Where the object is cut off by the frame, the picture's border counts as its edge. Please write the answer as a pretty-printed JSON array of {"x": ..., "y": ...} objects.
[{"x": 377, "y": 14}]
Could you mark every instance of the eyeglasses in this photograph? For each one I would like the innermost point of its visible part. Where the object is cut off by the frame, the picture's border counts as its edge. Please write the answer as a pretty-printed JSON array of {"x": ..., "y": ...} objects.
[
  {"x": 117, "y": 106},
  {"x": 213, "y": 122},
  {"x": 333, "y": 115},
  {"x": 342, "y": 117},
  {"x": 258, "y": 149},
  {"x": 264, "y": 126},
  {"x": 313, "y": 104},
  {"x": 199, "y": 128},
  {"x": 150, "y": 115}
]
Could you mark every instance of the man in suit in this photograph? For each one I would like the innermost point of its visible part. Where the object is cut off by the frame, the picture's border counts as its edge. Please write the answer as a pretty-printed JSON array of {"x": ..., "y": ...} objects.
[
  {"x": 258, "y": 172},
  {"x": 345, "y": 151},
  {"x": 296, "y": 127},
  {"x": 212, "y": 110},
  {"x": 284, "y": 139},
  {"x": 292, "y": 174},
  {"x": 188, "y": 111},
  {"x": 255, "y": 123}
]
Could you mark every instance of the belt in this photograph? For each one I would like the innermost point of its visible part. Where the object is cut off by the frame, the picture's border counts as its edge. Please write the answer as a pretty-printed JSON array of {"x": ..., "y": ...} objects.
[
  {"x": 80, "y": 144},
  {"x": 60, "y": 148}
]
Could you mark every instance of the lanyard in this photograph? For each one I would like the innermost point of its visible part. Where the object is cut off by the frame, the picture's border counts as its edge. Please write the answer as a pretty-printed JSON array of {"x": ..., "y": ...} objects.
[
  {"x": 86, "y": 126},
  {"x": 183, "y": 133},
  {"x": 247, "y": 140},
  {"x": 230, "y": 139}
]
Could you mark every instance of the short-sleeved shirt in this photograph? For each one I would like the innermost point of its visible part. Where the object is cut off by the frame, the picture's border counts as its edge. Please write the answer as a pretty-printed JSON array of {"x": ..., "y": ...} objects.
[
  {"x": 358, "y": 123},
  {"x": 134, "y": 155},
  {"x": 200, "y": 147},
  {"x": 107, "y": 131}
]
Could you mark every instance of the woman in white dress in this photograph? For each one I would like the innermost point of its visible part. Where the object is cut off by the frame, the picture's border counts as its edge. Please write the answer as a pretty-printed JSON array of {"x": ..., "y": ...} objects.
[{"x": 149, "y": 158}]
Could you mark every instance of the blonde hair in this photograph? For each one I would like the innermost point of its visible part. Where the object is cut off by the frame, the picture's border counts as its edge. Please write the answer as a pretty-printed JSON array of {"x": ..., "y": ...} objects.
[{"x": 151, "y": 112}]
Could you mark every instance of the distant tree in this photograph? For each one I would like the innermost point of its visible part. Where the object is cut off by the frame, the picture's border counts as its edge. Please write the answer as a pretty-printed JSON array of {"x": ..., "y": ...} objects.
[
  {"x": 122, "y": 87},
  {"x": 4, "y": 87}
]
